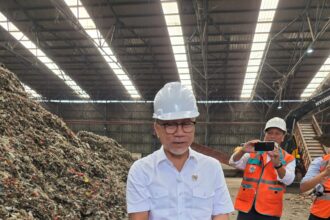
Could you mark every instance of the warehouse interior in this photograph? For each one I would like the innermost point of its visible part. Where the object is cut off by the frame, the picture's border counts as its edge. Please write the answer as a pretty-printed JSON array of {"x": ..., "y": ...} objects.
[
  {"x": 217, "y": 36},
  {"x": 103, "y": 77}
]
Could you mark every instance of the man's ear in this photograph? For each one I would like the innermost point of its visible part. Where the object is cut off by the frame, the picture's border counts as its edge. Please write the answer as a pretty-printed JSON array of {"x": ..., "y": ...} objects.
[
  {"x": 156, "y": 129},
  {"x": 283, "y": 138}
]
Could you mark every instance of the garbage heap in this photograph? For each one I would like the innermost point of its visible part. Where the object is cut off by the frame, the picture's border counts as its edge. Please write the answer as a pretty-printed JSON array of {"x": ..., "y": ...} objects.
[{"x": 49, "y": 172}]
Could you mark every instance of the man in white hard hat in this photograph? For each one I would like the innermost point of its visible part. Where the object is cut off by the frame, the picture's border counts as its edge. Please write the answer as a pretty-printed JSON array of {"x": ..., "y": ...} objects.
[
  {"x": 176, "y": 182},
  {"x": 266, "y": 175}
]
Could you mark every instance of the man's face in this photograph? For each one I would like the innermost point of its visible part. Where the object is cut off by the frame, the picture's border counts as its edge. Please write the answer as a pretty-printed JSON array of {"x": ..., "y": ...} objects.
[
  {"x": 274, "y": 134},
  {"x": 176, "y": 135}
]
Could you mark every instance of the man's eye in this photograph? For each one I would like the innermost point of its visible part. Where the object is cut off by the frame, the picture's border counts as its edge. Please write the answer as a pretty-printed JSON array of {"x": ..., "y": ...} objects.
[{"x": 168, "y": 125}]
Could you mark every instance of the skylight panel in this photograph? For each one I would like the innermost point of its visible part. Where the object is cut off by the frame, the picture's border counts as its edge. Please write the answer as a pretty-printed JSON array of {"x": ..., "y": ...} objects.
[
  {"x": 258, "y": 46},
  {"x": 172, "y": 19},
  {"x": 170, "y": 8},
  {"x": 89, "y": 26},
  {"x": 260, "y": 38},
  {"x": 317, "y": 81},
  {"x": 185, "y": 77},
  {"x": 177, "y": 40},
  {"x": 175, "y": 31},
  {"x": 322, "y": 74},
  {"x": 263, "y": 28},
  {"x": 325, "y": 68},
  {"x": 249, "y": 81},
  {"x": 180, "y": 57},
  {"x": 183, "y": 71},
  {"x": 179, "y": 49},
  {"x": 250, "y": 75},
  {"x": 182, "y": 64},
  {"x": 32, "y": 48},
  {"x": 252, "y": 69},
  {"x": 256, "y": 54},
  {"x": 266, "y": 16},
  {"x": 254, "y": 62},
  {"x": 268, "y": 4}
]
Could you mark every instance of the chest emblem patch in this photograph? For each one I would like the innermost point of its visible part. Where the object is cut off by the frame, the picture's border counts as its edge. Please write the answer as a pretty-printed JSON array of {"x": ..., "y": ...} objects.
[{"x": 252, "y": 169}]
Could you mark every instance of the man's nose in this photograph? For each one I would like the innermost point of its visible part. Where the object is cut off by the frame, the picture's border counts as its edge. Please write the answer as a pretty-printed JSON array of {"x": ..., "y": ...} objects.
[{"x": 179, "y": 129}]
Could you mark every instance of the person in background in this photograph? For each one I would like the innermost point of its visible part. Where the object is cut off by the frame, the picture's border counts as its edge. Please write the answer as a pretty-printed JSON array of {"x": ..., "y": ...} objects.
[
  {"x": 318, "y": 178},
  {"x": 297, "y": 154},
  {"x": 176, "y": 182},
  {"x": 266, "y": 175}
]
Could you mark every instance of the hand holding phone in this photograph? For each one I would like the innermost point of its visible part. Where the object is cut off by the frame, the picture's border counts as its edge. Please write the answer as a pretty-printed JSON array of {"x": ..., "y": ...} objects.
[{"x": 248, "y": 147}]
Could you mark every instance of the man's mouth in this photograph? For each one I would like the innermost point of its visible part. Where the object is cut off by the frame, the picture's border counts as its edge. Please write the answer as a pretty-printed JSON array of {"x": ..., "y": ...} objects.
[{"x": 179, "y": 142}]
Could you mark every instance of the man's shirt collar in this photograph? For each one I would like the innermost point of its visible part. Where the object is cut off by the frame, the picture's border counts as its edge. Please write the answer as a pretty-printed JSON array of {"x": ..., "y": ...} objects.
[{"x": 161, "y": 156}]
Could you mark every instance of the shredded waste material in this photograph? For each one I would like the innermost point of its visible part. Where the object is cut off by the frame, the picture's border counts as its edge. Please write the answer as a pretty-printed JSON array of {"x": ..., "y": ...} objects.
[{"x": 49, "y": 172}]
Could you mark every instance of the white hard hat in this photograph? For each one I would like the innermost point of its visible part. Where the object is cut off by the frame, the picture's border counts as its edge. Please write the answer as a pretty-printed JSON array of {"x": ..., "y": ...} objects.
[
  {"x": 175, "y": 101},
  {"x": 276, "y": 123}
]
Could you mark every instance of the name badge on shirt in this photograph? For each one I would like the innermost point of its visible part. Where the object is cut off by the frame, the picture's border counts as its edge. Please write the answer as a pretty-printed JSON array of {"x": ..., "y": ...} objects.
[{"x": 194, "y": 177}]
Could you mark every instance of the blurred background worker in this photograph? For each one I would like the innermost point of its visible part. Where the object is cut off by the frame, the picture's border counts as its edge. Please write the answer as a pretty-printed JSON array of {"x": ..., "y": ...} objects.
[
  {"x": 266, "y": 175},
  {"x": 318, "y": 178},
  {"x": 176, "y": 182},
  {"x": 296, "y": 153}
]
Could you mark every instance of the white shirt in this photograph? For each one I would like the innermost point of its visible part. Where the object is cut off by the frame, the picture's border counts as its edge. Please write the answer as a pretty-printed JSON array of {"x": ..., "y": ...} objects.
[
  {"x": 196, "y": 193},
  {"x": 313, "y": 169},
  {"x": 289, "y": 168}
]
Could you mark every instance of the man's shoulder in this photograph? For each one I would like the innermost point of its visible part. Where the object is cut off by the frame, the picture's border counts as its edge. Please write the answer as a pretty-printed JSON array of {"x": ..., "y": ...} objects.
[
  {"x": 146, "y": 162},
  {"x": 202, "y": 158},
  {"x": 148, "y": 159}
]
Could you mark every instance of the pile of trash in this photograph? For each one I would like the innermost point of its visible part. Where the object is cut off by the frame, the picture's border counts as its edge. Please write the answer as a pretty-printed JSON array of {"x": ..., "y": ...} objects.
[{"x": 49, "y": 172}]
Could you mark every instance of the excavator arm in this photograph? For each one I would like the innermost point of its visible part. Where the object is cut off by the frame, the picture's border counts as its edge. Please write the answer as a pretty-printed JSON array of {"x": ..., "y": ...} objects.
[{"x": 323, "y": 99}]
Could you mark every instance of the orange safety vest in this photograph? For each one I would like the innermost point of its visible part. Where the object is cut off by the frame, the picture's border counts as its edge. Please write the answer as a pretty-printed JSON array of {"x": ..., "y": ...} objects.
[
  {"x": 321, "y": 205},
  {"x": 260, "y": 185}
]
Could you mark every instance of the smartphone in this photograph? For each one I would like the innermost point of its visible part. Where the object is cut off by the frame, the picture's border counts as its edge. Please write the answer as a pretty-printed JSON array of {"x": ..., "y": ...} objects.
[{"x": 264, "y": 146}]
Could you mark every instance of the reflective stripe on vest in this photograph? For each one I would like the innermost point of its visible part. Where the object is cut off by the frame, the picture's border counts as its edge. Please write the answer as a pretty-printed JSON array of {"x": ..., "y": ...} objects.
[
  {"x": 250, "y": 179},
  {"x": 262, "y": 181}
]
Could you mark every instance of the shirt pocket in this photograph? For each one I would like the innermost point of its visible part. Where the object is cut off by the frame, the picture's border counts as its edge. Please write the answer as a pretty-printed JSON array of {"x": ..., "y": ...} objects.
[
  {"x": 202, "y": 199},
  {"x": 275, "y": 195},
  {"x": 159, "y": 197},
  {"x": 246, "y": 193}
]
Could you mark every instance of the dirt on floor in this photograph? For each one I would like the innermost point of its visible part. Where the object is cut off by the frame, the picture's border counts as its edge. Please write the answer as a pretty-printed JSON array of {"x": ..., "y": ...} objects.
[{"x": 296, "y": 205}]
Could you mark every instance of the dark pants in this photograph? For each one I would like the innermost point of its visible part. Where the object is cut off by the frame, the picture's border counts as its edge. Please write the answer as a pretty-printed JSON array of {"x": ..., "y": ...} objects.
[
  {"x": 313, "y": 217},
  {"x": 254, "y": 215}
]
